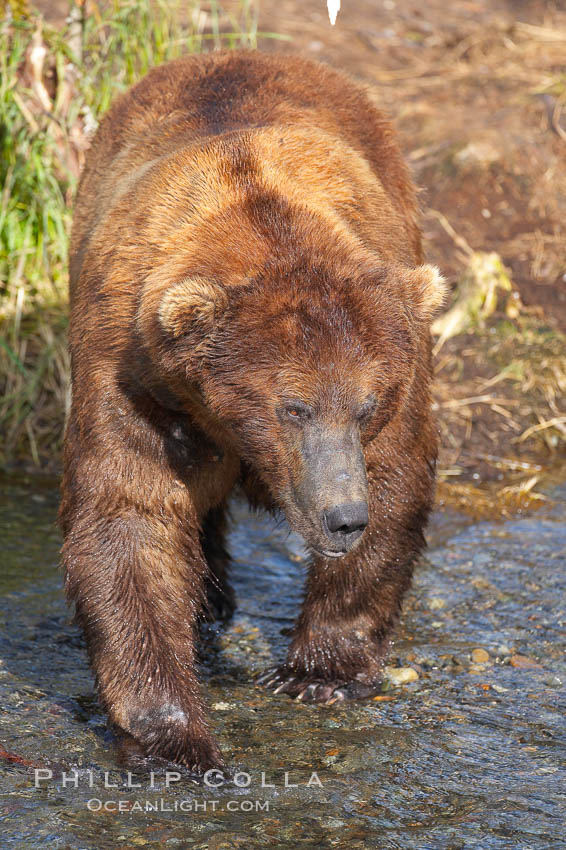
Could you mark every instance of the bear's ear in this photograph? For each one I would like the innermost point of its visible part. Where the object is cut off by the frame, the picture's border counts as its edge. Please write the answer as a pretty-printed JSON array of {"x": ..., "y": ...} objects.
[
  {"x": 427, "y": 291},
  {"x": 194, "y": 303}
]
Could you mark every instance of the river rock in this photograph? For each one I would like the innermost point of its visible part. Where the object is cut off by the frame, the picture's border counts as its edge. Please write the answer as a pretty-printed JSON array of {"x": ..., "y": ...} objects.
[
  {"x": 522, "y": 662},
  {"x": 401, "y": 675},
  {"x": 480, "y": 656}
]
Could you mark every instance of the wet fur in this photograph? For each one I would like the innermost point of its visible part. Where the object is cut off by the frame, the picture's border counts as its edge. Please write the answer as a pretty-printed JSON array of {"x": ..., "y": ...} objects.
[{"x": 221, "y": 191}]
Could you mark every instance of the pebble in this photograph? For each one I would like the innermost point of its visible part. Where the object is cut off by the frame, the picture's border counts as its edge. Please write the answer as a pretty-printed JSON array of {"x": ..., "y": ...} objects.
[
  {"x": 478, "y": 153},
  {"x": 333, "y": 823},
  {"x": 401, "y": 675},
  {"x": 524, "y": 663},
  {"x": 480, "y": 656}
]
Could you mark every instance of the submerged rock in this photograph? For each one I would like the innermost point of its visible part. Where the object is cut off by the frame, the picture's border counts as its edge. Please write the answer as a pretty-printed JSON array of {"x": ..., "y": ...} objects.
[
  {"x": 480, "y": 656},
  {"x": 401, "y": 675}
]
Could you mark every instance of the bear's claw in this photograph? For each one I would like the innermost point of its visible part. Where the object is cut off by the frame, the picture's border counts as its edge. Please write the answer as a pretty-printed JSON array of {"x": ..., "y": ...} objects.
[{"x": 283, "y": 681}]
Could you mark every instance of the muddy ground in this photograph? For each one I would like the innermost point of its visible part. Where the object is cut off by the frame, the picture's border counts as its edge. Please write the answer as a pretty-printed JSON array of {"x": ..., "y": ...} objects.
[{"x": 468, "y": 84}]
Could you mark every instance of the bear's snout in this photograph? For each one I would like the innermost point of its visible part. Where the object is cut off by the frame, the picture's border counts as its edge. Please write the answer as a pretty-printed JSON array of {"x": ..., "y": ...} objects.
[
  {"x": 332, "y": 492},
  {"x": 345, "y": 524}
]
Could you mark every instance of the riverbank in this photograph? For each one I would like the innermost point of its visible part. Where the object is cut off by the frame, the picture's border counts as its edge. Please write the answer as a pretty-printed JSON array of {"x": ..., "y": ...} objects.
[{"x": 477, "y": 93}]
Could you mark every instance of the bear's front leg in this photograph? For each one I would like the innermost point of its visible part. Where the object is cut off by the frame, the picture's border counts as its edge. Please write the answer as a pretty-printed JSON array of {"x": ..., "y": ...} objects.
[
  {"x": 352, "y": 604},
  {"x": 340, "y": 639},
  {"x": 135, "y": 571}
]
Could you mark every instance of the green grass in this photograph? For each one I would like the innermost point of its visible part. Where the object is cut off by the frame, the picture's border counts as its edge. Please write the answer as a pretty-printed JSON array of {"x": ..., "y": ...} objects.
[{"x": 40, "y": 160}]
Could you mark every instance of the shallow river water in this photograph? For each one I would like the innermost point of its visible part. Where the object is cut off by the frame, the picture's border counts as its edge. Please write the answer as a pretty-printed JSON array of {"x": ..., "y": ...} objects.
[{"x": 471, "y": 755}]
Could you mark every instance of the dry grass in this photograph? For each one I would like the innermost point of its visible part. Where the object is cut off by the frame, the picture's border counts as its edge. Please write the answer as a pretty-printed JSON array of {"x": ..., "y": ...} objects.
[
  {"x": 491, "y": 501},
  {"x": 500, "y": 408}
]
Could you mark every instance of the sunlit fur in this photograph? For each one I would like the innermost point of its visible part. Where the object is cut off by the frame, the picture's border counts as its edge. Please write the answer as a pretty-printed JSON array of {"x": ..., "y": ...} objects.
[{"x": 245, "y": 233}]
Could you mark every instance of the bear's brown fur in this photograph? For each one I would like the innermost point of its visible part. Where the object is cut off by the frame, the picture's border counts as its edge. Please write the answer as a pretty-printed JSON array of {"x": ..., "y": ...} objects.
[{"x": 248, "y": 306}]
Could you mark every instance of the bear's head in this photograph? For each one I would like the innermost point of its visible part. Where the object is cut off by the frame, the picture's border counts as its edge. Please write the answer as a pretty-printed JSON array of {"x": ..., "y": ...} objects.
[{"x": 297, "y": 371}]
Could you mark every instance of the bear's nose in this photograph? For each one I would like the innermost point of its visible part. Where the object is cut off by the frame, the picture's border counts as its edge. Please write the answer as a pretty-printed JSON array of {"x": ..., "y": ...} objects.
[{"x": 345, "y": 523}]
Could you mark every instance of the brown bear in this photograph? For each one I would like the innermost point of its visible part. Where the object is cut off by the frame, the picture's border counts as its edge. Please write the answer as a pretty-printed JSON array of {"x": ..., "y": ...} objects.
[{"x": 248, "y": 307}]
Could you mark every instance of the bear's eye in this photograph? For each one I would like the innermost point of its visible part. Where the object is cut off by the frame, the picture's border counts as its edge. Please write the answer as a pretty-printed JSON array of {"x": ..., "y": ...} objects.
[
  {"x": 298, "y": 411},
  {"x": 367, "y": 409}
]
